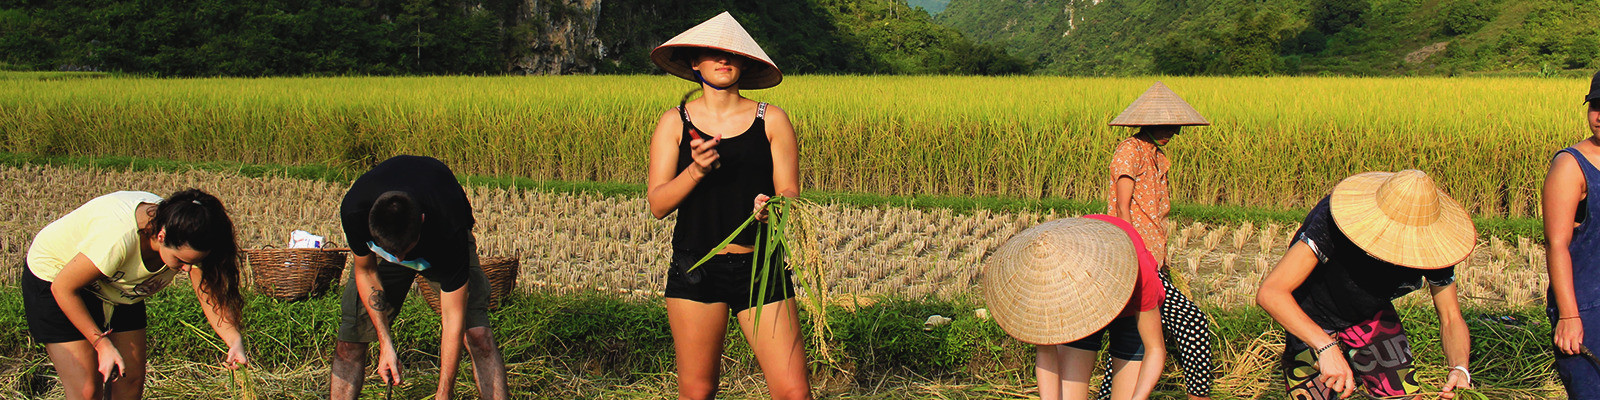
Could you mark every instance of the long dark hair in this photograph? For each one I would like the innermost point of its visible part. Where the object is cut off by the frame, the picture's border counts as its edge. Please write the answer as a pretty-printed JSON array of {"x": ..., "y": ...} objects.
[{"x": 197, "y": 219}]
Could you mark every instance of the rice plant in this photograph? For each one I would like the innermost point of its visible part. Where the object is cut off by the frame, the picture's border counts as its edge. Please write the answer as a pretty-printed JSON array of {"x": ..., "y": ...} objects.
[{"x": 1278, "y": 142}]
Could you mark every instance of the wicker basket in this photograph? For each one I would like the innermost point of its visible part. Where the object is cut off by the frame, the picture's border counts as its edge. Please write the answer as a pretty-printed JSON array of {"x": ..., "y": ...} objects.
[
  {"x": 502, "y": 275},
  {"x": 294, "y": 274}
]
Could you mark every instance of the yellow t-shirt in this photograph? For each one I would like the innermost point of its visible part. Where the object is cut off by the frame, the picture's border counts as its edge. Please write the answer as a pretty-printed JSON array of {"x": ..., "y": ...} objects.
[{"x": 106, "y": 232}]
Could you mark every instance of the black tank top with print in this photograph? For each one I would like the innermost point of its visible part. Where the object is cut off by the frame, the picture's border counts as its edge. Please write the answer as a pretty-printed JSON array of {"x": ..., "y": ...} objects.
[{"x": 725, "y": 197}]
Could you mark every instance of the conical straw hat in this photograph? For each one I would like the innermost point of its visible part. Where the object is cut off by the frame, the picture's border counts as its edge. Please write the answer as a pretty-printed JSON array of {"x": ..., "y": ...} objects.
[
  {"x": 1159, "y": 106},
  {"x": 1061, "y": 280},
  {"x": 1403, "y": 219},
  {"x": 721, "y": 32}
]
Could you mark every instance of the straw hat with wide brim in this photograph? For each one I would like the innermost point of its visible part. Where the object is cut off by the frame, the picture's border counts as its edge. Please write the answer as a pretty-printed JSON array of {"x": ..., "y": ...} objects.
[
  {"x": 1061, "y": 280},
  {"x": 1403, "y": 219},
  {"x": 721, "y": 33},
  {"x": 1159, "y": 106}
]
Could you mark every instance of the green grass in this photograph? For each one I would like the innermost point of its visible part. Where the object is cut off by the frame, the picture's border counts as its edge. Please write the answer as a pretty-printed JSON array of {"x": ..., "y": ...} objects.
[{"x": 596, "y": 346}]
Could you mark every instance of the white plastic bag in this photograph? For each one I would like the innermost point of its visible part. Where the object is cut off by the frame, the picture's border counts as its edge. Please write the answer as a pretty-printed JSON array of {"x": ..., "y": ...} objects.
[{"x": 304, "y": 240}]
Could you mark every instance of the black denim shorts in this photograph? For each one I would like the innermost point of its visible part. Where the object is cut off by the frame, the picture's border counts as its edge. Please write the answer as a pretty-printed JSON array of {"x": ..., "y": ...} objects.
[
  {"x": 725, "y": 278},
  {"x": 1125, "y": 341},
  {"x": 48, "y": 324}
]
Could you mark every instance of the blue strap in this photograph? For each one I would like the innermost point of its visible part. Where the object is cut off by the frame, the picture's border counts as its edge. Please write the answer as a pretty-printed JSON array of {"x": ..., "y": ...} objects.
[
  {"x": 1582, "y": 161},
  {"x": 703, "y": 80},
  {"x": 1591, "y": 180},
  {"x": 1589, "y": 171}
]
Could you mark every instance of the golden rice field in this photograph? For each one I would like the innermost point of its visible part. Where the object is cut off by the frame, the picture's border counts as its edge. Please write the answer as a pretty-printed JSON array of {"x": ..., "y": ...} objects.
[
  {"x": 1276, "y": 142},
  {"x": 570, "y": 243}
]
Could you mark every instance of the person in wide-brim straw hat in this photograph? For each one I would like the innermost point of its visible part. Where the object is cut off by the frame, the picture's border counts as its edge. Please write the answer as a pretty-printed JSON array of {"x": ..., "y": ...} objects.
[
  {"x": 721, "y": 34},
  {"x": 1063, "y": 286},
  {"x": 1572, "y": 256},
  {"x": 1379, "y": 236},
  {"x": 1138, "y": 193},
  {"x": 711, "y": 160}
]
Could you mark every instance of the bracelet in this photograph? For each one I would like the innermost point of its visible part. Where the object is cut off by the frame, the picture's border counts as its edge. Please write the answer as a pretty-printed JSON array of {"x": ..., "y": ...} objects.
[
  {"x": 1318, "y": 355},
  {"x": 98, "y": 336},
  {"x": 1567, "y": 318},
  {"x": 1463, "y": 370}
]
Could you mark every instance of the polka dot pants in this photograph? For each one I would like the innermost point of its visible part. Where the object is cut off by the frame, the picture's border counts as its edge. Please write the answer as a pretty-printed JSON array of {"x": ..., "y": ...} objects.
[{"x": 1189, "y": 331}]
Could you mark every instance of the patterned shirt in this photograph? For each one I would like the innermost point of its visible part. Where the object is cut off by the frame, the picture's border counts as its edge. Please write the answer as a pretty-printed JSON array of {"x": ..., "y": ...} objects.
[{"x": 1143, "y": 161}]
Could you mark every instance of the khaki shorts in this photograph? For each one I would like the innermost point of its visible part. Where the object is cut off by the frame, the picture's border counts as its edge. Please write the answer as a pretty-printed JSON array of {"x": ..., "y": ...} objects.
[{"x": 355, "y": 326}]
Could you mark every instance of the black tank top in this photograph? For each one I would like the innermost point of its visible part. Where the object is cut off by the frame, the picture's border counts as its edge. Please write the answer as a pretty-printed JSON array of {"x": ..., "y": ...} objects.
[{"x": 724, "y": 198}]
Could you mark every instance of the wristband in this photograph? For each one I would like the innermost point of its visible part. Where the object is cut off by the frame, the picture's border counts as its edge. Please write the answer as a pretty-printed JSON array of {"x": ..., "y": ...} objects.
[
  {"x": 98, "y": 336},
  {"x": 1463, "y": 370},
  {"x": 1318, "y": 355}
]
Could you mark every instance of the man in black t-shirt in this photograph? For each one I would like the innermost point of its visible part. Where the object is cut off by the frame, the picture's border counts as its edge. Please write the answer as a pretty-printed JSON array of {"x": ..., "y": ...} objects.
[
  {"x": 1379, "y": 236},
  {"x": 408, "y": 216}
]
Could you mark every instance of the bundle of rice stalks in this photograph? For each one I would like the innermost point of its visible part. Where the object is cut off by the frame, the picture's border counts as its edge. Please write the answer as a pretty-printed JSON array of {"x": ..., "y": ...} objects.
[
  {"x": 1241, "y": 236},
  {"x": 790, "y": 242},
  {"x": 242, "y": 378}
]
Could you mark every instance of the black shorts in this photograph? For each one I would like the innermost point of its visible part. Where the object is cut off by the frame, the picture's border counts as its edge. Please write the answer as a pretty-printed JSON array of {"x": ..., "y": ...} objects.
[
  {"x": 48, "y": 324},
  {"x": 1125, "y": 341},
  {"x": 725, "y": 278}
]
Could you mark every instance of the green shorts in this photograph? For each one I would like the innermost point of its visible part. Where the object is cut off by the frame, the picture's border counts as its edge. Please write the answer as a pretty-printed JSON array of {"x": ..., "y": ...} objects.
[{"x": 355, "y": 326}]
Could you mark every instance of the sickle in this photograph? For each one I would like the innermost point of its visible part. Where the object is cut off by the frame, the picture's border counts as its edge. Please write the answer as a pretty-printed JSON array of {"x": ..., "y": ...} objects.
[{"x": 106, "y": 393}]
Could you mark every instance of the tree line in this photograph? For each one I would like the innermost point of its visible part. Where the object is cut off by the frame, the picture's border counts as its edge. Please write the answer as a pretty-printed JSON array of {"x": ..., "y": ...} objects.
[{"x": 429, "y": 37}]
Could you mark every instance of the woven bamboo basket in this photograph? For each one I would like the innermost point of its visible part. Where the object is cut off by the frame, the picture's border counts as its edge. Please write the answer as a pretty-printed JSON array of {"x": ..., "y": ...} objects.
[
  {"x": 500, "y": 271},
  {"x": 294, "y": 274}
]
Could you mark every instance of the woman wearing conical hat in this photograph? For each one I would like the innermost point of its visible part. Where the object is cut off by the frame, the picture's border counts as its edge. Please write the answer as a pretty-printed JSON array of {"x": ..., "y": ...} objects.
[
  {"x": 1138, "y": 194},
  {"x": 1379, "y": 236},
  {"x": 1572, "y": 255},
  {"x": 711, "y": 159},
  {"x": 1068, "y": 287}
]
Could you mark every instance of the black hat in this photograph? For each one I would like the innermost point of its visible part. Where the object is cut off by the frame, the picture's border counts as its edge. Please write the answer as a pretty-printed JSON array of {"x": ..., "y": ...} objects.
[{"x": 1594, "y": 89}]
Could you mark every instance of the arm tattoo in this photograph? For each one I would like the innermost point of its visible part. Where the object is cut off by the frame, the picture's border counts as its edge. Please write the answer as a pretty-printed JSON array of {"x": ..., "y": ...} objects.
[{"x": 379, "y": 302}]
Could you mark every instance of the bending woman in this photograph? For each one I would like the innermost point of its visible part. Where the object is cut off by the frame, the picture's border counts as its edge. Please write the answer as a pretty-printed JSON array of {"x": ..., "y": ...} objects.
[
  {"x": 709, "y": 160},
  {"x": 1379, "y": 236},
  {"x": 88, "y": 273},
  {"x": 1137, "y": 351}
]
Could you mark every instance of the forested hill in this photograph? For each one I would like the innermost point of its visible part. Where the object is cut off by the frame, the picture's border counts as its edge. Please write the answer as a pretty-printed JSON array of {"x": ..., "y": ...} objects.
[
  {"x": 1253, "y": 37},
  {"x": 931, "y": 6},
  {"x": 330, "y": 37}
]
